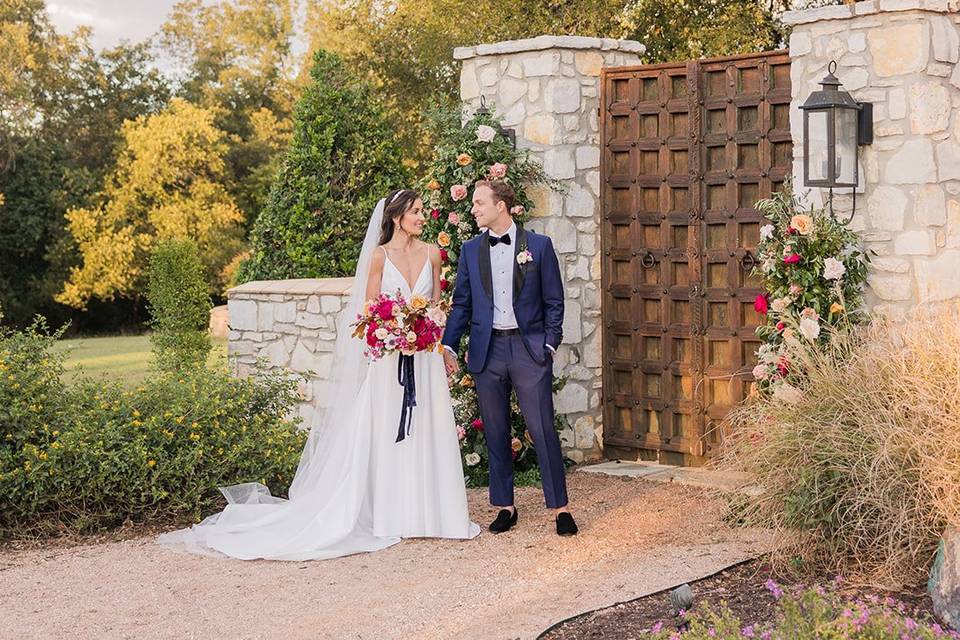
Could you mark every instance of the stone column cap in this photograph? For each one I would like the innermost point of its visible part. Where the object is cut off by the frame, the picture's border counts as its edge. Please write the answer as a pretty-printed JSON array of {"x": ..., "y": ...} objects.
[
  {"x": 296, "y": 286},
  {"x": 548, "y": 42},
  {"x": 872, "y": 7}
]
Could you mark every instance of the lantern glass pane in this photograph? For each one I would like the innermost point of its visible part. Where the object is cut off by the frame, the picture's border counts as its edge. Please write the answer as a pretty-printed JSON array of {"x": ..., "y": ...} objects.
[
  {"x": 817, "y": 145},
  {"x": 846, "y": 146}
]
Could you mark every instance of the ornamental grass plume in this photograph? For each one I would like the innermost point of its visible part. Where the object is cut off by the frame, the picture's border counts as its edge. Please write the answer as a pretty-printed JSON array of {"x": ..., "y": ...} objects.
[{"x": 861, "y": 469}]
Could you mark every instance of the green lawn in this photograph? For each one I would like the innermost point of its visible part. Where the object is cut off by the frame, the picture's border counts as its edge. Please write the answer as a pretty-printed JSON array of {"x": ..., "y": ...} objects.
[{"x": 120, "y": 357}]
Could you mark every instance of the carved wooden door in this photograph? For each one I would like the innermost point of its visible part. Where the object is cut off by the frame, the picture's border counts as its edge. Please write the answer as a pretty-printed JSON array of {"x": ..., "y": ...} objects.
[{"x": 688, "y": 149}]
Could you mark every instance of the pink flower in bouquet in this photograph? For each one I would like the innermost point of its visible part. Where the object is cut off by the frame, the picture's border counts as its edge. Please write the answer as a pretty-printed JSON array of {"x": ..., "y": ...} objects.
[
  {"x": 781, "y": 325},
  {"x": 453, "y": 218},
  {"x": 435, "y": 214},
  {"x": 792, "y": 258},
  {"x": 477, "y": 424},
  {"x": 498, "y": 170},
  {"x": 437, "y": 316},
  {"x": 458, "y": 192},
  {"x": 385, "y": 309},
  {"x": 760, "y": 304}
]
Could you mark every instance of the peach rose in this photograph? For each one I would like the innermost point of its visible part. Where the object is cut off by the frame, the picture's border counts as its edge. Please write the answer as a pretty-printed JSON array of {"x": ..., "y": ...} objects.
[
  {"x": 802, "y": 223},
  {"x": 433, "y": 185},
  {"x": 458, "y": 192},
  {"x": 464, "y": 159},
  {"x": 443, "y": 239}
]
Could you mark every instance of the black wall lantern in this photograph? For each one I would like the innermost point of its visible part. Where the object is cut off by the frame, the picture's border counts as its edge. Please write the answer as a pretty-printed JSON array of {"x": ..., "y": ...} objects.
[
  {"x": 834, "y": 126},
  {"x": 509, "y": 134}
]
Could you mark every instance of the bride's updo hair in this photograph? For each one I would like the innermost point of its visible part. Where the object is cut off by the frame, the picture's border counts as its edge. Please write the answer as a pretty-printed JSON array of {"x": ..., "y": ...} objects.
[{"x": 397, "y": 202}]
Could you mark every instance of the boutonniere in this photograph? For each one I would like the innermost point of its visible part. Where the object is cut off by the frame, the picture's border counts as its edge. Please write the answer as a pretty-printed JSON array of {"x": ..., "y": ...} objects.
[{"x": 524, "y": 257}]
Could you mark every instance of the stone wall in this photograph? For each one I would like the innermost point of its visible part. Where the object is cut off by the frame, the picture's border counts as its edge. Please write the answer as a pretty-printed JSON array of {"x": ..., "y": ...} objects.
[
  {"x": 901, "y": 55},
  {"x": 547, "y": 89},
  {"x": 291, "y": 326}
]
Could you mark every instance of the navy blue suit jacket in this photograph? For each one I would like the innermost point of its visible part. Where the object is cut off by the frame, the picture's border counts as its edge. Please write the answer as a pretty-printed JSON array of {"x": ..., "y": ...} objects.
[{"x": 537, "y": 298}]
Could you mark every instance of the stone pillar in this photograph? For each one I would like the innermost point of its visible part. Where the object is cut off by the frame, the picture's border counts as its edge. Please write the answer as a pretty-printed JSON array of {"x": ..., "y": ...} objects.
[
  {"x": 547, "y": 89},
  {"x": 901, "y": 55},
  {"x": 291, "y": 325}
]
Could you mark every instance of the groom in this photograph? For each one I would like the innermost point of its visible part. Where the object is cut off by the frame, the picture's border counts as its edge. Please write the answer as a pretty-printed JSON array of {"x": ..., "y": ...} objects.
[{"x": 510, "y": 295}]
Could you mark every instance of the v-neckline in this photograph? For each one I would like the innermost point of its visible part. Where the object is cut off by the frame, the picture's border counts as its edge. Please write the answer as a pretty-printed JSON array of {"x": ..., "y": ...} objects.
[{"x": 410, "y": 287}]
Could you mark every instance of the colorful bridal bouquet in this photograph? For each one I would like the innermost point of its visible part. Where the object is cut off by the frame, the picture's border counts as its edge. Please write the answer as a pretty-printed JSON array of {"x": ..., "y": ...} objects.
[{"x": 392, "y": 324}]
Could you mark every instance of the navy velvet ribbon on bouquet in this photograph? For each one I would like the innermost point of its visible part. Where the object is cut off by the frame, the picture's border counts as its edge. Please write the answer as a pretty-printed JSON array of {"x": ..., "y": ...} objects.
[{"x": 406, "y": 379}]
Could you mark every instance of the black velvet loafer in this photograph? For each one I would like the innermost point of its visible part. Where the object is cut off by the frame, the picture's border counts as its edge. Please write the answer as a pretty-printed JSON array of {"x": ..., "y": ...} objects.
[
  {"x": 566, "y": 526},
  {"x": 505, "y": 521}
]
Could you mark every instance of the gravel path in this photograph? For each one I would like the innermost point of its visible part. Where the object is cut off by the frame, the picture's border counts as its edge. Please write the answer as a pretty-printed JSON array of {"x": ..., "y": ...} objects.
[{"x": 636, "y": 537}]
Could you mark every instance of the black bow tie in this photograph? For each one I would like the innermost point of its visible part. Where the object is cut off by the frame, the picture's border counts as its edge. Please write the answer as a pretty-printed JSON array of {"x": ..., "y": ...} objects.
[{"x": 495, "y": 241}]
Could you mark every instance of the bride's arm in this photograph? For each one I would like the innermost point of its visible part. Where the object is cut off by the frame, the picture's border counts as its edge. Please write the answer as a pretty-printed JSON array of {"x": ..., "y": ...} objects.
[
  {"x": 375, "y": 277},
  {"x": 437, "y": 265}
]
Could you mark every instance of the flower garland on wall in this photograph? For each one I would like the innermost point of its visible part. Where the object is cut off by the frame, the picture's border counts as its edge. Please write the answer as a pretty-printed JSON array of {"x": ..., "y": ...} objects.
[
  {"x": 813, "y": 270},
  {"x": 465, "y": 153}
]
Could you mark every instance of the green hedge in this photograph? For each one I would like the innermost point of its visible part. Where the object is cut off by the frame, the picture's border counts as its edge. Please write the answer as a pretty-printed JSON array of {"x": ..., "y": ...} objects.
[
  {"x": 93, "y": 455},
  {"x": 180, "y": 306},
  {"x": 343, "y": 159}
]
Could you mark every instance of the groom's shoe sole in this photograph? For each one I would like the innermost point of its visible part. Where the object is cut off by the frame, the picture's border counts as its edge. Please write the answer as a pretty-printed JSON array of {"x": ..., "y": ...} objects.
[{"x": 497, "y": 526}]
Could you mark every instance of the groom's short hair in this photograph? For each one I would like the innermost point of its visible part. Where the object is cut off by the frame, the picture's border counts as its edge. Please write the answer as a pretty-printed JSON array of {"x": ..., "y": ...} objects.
[{"x": 502, "y": 192}]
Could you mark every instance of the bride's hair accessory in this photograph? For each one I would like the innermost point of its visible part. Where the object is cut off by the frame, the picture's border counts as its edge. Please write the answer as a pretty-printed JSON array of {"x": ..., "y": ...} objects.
[{"x": 396, "y": 195}]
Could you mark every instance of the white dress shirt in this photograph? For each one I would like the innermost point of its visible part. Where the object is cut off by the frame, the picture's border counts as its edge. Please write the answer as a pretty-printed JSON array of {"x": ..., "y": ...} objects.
[{"x": 501, "y": 271}]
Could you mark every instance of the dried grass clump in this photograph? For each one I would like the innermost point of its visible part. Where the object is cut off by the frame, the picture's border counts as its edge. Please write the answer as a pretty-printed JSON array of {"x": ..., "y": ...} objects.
[{"x": 862, "y": 474}]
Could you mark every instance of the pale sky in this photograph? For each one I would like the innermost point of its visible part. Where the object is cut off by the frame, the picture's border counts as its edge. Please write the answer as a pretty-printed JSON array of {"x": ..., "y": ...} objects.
[{"x": 112, "y": 20}]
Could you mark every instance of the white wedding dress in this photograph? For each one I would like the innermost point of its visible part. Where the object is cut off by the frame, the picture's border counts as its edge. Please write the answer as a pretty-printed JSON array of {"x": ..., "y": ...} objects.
[{"x": 356, "y": 489}]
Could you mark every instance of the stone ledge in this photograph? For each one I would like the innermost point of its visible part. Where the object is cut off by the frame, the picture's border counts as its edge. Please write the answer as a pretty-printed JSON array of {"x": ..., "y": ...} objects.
[
  {"x": 843, "y": 12},
  {"x": 548, "y": 42},
  {"x": 297, "y": 287},
  {"x": 691, "y": 476}
]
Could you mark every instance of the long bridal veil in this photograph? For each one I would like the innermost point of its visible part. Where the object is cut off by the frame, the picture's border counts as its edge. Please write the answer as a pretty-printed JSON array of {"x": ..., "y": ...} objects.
[{"x": 326, "y": 514}]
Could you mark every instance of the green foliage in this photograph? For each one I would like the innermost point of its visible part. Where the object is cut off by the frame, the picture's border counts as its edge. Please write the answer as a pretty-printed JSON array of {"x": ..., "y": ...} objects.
[
  {"x": 814, "y": 612},
  {"x": 674, "y": 31},
  {"x": 94, "y": 455},
  {"x": 450, "y": 225},
  {"x": 238, "y": 60},
  {"x": 180, "y": 307},
  {"x": 813, "y": 270},
  {"x": 406, "y": 46},
  {"x": 343, "y": 159}
]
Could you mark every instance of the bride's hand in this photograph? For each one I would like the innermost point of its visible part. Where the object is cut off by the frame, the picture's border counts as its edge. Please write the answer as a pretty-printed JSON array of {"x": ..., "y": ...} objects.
[{"x": 451, "y": 363}]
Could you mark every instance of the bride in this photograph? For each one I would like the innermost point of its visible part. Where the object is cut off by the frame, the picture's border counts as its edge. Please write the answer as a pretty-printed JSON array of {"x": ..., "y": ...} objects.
[{"x": 356, "y": 489}]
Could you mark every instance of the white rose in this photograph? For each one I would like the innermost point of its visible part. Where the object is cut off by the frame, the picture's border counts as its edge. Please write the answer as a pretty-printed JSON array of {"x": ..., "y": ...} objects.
[
  {"x": 485, "y": 133},
  {"x": 766, "y": 232},
  {"x": 809, "y": 328},
  {"x": 471, "y": 459},
  {"x": 411, "y": 336},
  {"x": 786, "y": 393},
  {"x": 381, "y": 333},
  {"x": 833, "y": 269},
  {"x": 437, "y": 316}
]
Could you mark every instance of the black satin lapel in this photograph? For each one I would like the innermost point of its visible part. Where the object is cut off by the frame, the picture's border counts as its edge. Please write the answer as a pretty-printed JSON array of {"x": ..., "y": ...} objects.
[
  {"x": 519, "y": 271},
  {"x": 486, "y": 272}
]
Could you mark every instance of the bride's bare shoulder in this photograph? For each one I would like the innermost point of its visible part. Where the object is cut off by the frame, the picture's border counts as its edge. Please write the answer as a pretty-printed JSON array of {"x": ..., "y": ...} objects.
[{"x": 378, "y": 258}]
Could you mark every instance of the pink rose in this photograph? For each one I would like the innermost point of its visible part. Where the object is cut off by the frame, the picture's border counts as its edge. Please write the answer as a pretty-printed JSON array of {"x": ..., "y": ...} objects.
[
  {"x": 453, "y": 218},
  {"x": 498, "y": 170},
  {"x": 793, "y": 258},
  {"x": 517, "y": 210},
  {"x": 458, "y": 192},
  {"x": 760, "y": 304}
]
